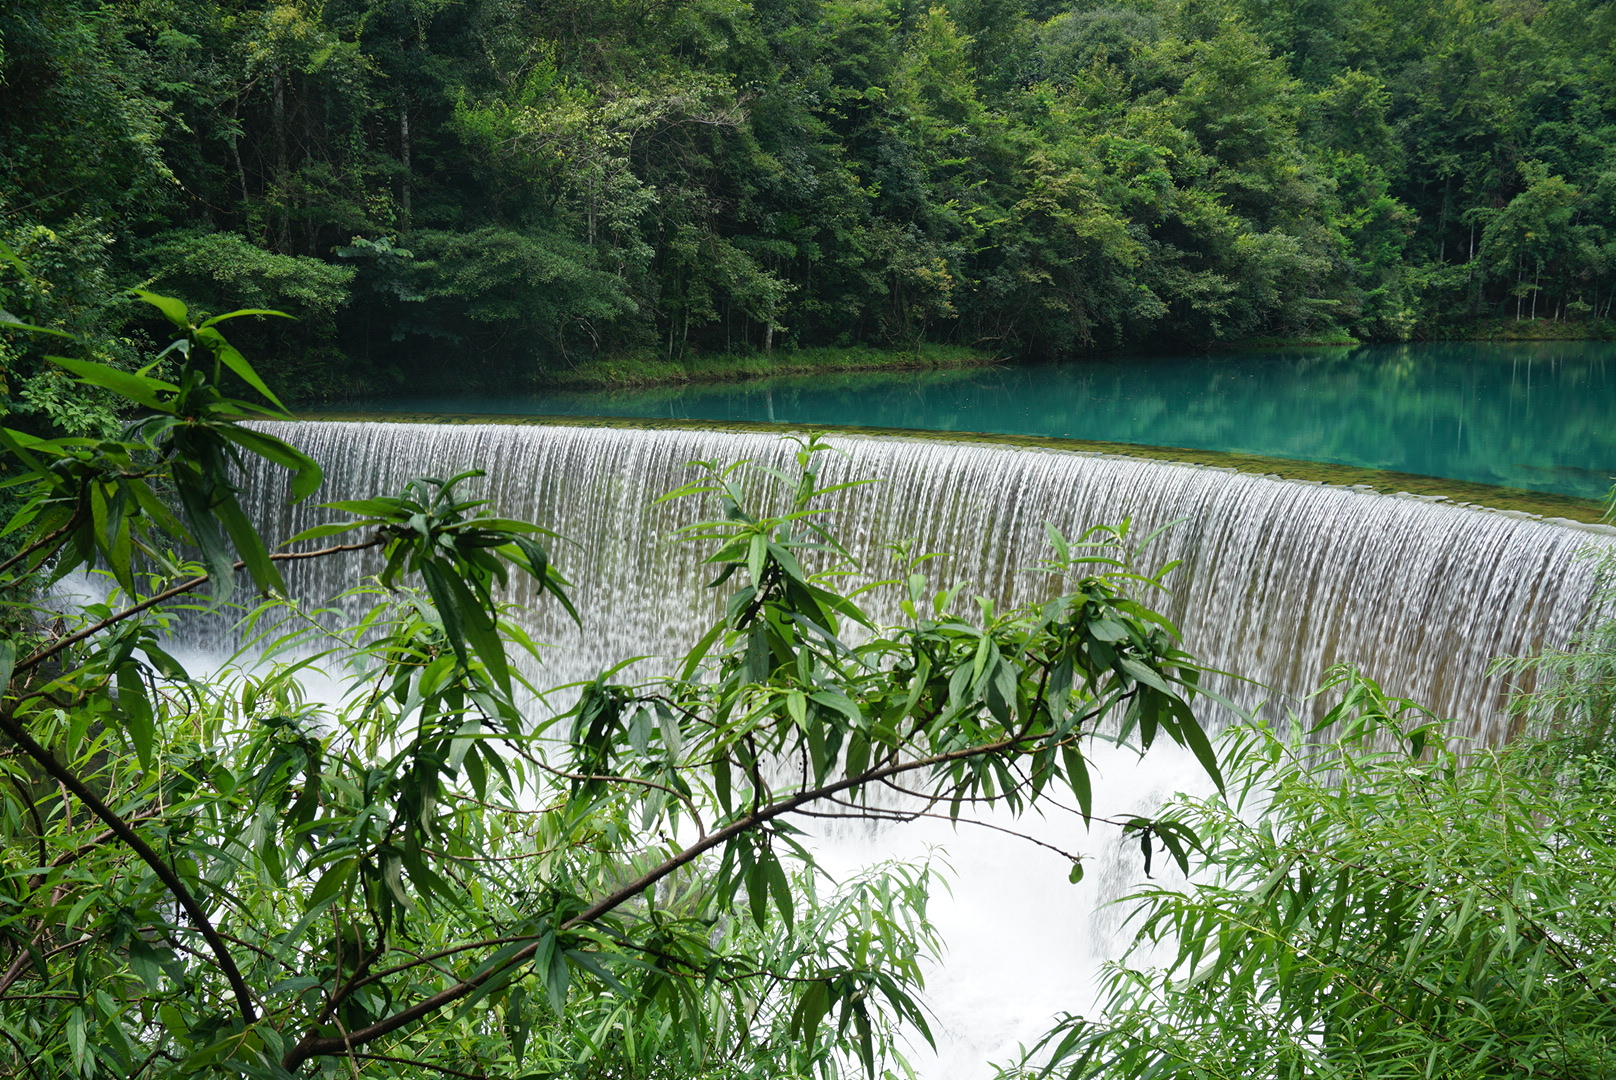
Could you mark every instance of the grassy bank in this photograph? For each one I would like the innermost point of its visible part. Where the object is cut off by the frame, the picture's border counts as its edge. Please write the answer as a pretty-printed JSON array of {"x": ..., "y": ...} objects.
[
  {"x": 636, "y": 372},
  {"x": 734, "y": 367},
  {"x": 1483, "y": 330},
  {"x": 648, "y": 399}
]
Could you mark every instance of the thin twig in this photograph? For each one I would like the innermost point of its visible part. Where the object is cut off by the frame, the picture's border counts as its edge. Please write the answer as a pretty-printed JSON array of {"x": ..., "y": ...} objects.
[
  {"x": 315, "y": 1045},
  {"x": 169, "y": 594},
  {"x": 47, "y": 761},
  {"x": 44, "y": 541},
  {"x": 420, "y": 1065}
]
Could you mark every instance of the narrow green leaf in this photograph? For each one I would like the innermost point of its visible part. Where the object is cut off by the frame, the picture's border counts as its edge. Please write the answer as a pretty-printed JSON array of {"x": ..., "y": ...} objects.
[
  {"x": 237, "y": 363},
  {"x": 9, "y": 321},
  {"x": 245, "y": 311},
  {"x": 249, "y": 546},
  {"x": 174, "y": 311},
  {"x": 306, "y": 472},
  {"x": 139, "y": 723},
  {"x": 1195, "y": 738},
  {"x": 319, "y": 532},
  {"x": 384, "y": 507},
  {"x": 140, "y": 389},
  {"x": 331, "y": 883},
  {"x": 8, "y": 661},
  {"x": 1143, "y": 673}
]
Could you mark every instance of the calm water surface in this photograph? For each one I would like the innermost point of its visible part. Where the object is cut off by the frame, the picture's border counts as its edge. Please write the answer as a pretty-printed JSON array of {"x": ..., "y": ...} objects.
[{"x": 1529, "y": 415}]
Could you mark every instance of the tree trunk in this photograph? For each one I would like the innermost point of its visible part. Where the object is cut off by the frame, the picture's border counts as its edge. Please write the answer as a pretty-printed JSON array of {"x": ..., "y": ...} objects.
[
  {"x": 241, "y": 171},
  {"x": 1442, "y": 219},
  {"x": 282, "y": 167},
  {"x": 235, "y": 152},
  {"x": 1475, "y": 282},
  {"x": 404, "y": 157}
]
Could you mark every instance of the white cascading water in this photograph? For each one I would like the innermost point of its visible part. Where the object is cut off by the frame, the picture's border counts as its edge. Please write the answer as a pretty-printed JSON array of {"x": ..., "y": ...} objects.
[{"x": 1278, "y": 581}]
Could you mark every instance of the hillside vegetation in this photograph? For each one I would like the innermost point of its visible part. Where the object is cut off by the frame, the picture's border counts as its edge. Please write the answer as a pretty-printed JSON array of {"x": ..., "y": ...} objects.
[{"x": 495, "y": 191}]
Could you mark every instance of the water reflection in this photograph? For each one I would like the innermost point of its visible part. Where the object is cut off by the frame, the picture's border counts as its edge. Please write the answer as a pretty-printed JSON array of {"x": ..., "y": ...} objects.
[{"x": 1530, "y": 415}]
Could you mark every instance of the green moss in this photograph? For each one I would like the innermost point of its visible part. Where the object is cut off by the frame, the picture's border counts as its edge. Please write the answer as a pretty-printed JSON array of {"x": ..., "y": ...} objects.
[
  {"x": 734, "y": 367},
  {"x": 1518, "y": 500}
]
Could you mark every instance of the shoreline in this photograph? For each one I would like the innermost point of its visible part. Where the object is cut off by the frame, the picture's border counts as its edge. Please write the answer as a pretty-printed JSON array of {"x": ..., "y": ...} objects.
[
  {"x": 1568, "y": 509},
  {"x": 631, "y": 373}
]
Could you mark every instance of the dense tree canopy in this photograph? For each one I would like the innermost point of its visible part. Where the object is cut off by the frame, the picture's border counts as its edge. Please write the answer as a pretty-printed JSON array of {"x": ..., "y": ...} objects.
[{"x": 522, "y": 185}]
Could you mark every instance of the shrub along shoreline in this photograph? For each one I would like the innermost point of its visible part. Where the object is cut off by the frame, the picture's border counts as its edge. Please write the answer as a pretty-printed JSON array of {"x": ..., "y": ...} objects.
[
  {"x": 636, "y": 371},
  {"x": 650, "y": 371}
]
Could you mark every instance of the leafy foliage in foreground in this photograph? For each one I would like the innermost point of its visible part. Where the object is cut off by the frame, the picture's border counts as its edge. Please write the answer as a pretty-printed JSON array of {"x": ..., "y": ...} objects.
[
  {"x": 1383, "y": 906},
  {"x": 430, "y": 871}
]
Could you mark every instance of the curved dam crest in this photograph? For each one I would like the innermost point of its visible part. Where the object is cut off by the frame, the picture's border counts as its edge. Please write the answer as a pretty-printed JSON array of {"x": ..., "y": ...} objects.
[{"x": 1278, "y": 580}]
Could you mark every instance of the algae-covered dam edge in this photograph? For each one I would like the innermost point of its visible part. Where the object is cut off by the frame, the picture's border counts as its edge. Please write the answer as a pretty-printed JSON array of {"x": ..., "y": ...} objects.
[{"x": 1552, "y": 506}]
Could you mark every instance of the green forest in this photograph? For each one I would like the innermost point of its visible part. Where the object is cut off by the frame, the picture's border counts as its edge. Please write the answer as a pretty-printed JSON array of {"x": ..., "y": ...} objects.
[
  {"x": 377, "y": 841},
  {"x": 497, "y": 191}
]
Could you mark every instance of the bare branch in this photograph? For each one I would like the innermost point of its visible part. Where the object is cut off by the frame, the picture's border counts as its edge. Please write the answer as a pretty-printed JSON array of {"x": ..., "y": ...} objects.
[
  {"x": 168, "y": 594},
  {"x": 422, "y": 1065},
  {"x": 44, "y": 541},
  {"x": 313, "y": 1045},
  {"x": 121, "y": 828}
]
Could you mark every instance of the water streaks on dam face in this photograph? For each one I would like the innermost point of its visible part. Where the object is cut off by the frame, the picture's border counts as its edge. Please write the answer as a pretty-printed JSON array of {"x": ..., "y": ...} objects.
[{"x": 1277, "y": 581}]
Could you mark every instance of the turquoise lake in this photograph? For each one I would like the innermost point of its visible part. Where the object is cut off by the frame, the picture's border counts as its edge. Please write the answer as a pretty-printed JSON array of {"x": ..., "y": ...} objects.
[{"x": 1528, "y": 415}]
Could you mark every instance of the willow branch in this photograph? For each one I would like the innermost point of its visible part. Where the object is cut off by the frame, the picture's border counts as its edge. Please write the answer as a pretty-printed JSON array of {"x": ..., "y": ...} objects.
[
  {"x": 22, "y": 1055},
  {"x": 429, "y": 958},
  {"x": 118, "y": 826},
  {"x": 422, "y": 1065},
  {"x": 860, "y": 813},
  {"x": 29, "y": 801},
  {"x": 582, "y": 778},
  {"x": 44, "y": 541}
]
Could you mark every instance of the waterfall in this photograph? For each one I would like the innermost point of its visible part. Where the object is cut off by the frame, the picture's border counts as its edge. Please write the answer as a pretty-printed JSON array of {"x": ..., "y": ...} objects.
[{"x": 1277, "y": 581}]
